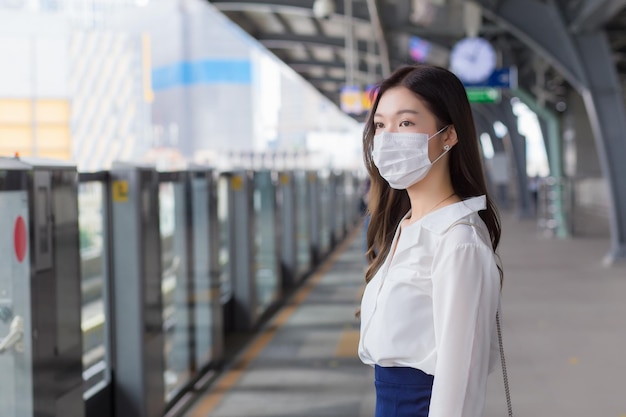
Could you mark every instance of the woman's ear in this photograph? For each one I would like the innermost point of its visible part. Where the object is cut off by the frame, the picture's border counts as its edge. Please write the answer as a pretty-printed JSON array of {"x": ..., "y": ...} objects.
[{"x": 450, "y": 137}]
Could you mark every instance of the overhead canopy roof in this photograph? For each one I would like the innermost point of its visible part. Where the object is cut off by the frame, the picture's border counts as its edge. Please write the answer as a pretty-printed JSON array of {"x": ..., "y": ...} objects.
[{"x": 314, "y": 43}]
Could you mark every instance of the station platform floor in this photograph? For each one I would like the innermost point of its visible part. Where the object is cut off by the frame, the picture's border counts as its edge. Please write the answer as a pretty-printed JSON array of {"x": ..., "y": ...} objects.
[{"x": 564, "y": 328}]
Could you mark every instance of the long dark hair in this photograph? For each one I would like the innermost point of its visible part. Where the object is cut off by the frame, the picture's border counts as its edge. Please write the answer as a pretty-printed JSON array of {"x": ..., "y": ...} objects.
[{"x": 444, "y": 95}]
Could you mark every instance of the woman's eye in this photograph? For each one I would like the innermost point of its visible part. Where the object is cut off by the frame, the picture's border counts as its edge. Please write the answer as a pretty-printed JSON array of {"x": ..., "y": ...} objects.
[
  {"x": 406, "y": 123},
  {"x": 378, "y": 125}
]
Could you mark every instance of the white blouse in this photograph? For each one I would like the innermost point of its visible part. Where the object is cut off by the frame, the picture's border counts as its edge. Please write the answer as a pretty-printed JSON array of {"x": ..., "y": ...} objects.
[{"x": 432, "y": 306}]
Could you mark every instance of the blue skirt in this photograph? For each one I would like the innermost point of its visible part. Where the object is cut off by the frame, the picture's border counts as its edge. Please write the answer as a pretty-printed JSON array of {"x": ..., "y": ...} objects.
[{"x": 402, "y": 392}]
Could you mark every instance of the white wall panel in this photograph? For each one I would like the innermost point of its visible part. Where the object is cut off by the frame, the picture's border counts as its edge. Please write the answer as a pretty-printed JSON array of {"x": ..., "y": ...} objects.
[
  {"x": 33, "y": 53},
  {"x": 16, "y": 71},
  {"x": 51, "y": 63}
]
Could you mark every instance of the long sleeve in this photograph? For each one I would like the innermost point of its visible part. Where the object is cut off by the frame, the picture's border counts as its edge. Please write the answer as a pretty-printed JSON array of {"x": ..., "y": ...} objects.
[{"x": 466, "y": 288}]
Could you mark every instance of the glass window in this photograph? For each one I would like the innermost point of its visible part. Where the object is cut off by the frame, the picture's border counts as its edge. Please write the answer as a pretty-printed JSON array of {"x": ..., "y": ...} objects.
[
  {"x": 324, "y": 205},
  {"x": 207, "y": 308},
  {"x": 224, "y": 233},
  {"x": 266, "y": 269},
  {"x": 303, "y": 238},
  {"x": 339, "y": 209},
  {"x": 174, "y": 287},
  {"x": 94, "y": 275}
]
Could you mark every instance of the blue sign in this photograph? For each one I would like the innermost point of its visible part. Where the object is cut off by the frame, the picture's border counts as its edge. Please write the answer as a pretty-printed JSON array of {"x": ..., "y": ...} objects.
[
  {"x": 499, "y": 78},
  {"x": 206, "y": 71}
]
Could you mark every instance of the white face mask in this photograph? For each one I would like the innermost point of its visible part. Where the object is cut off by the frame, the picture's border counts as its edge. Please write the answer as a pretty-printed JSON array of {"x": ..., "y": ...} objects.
[{"x": 402, "y": 158}]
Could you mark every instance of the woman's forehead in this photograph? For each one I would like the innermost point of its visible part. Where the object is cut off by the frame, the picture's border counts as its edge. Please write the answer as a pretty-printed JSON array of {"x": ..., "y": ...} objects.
[{"x": 400, "y": 100}]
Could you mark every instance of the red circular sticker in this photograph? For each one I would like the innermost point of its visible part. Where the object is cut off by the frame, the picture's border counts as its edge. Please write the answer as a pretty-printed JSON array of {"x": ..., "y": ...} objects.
[{"x": 20, "y": 238}]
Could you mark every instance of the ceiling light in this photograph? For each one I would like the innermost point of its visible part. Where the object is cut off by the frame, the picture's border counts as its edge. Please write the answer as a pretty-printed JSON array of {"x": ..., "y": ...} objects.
[{"x": 323, "y": 9}]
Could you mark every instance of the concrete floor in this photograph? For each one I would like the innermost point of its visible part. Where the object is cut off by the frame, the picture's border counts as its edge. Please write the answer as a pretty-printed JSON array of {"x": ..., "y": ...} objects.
[{"x": 564, "y": 324}]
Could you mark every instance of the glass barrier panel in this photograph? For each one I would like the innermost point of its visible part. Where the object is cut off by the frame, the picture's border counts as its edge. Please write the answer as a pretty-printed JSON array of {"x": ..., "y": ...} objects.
[
  {"x": 266, "y": 265},
  {"x": 174, "y": 287},
  {"x": 357, "y": 190},
  {"x": 324, "y": 205},
  {"x": 204, "y": 320},
  {"x": 223, "y": 220},
  {"x": 340, "y": 207},
  {"x": 16, "y": 370},
  {"x": 348, "y": 195},
  {"x": 303, "y": 238},
  {"x": 349, "y": 198},
  {"x": 94, "y": 259}
]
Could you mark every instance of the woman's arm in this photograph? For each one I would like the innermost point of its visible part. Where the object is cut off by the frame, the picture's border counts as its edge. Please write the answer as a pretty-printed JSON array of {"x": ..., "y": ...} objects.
[{"x": 466, "y": 291}]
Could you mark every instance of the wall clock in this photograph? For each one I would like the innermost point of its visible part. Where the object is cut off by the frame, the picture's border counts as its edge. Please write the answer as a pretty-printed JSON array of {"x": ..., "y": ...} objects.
[{"x": 473, "y": 59}]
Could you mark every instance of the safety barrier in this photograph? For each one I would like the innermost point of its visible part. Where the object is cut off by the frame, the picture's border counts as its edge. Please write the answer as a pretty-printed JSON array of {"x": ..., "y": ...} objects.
[{"x": 153, "y": 269}]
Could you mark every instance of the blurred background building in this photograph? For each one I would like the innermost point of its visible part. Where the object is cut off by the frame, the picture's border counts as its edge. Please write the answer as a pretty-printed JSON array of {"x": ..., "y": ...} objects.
[{"x": 160, "y": 81}]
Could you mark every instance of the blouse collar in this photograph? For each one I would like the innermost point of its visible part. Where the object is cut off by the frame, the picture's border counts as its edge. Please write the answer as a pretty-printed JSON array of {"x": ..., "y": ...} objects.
[{"x": 439, "y": 221}]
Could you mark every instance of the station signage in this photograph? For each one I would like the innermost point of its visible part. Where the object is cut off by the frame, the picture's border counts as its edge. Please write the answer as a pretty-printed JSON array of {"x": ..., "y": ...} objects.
[
  {"x": 483, "y": 95},
  {"x": 500, "y": 78}
]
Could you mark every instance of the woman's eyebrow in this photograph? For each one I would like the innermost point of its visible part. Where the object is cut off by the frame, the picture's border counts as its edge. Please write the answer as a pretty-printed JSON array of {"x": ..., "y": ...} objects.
[{"x": 399, "y": 112}]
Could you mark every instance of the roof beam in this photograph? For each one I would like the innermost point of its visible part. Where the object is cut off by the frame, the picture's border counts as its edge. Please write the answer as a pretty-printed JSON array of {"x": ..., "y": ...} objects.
[
  {"x": 320, "y": 30},
  {"x": 446, "y": 32},
  {"x": 273, "y": 40},
  {"x": 541, "y": 27},
  {"x": 379, "y": 33},
  {"x": 247, "y": 24},
  {"x": 594, "y": 14},
  {"x": 300, "y": 65},
  {"x": 287, "y": 28},
  {"x": 284, "y": 7},
  {"x": 339, "y": 81},
  {"x": 283, "y": 22}
]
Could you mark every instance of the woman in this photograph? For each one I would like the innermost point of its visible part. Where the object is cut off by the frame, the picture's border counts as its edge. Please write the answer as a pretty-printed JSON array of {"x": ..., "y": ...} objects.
[{"x": 428, "y": 313}]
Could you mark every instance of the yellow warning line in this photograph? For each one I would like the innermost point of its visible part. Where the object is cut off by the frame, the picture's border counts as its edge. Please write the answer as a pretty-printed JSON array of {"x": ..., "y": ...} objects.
[
  {"x": 348, "y": 344},
  {"x": 230, "y": 378}
]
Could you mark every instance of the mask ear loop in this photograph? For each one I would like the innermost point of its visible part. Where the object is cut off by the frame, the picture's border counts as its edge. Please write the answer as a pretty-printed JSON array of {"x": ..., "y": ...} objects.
[
  {"x": 440, "y": 130},
  {"x": 446, "y": 148}
]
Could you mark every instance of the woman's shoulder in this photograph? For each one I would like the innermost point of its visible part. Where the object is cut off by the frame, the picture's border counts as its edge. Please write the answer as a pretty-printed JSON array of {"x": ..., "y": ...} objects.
[
  {"x": 458, "y": 220},
  {"x": 467, "y": 230}
]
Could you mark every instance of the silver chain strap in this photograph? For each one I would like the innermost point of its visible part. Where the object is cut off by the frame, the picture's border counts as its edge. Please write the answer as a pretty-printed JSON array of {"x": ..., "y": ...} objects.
[{"x": 507, "y": 391}]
